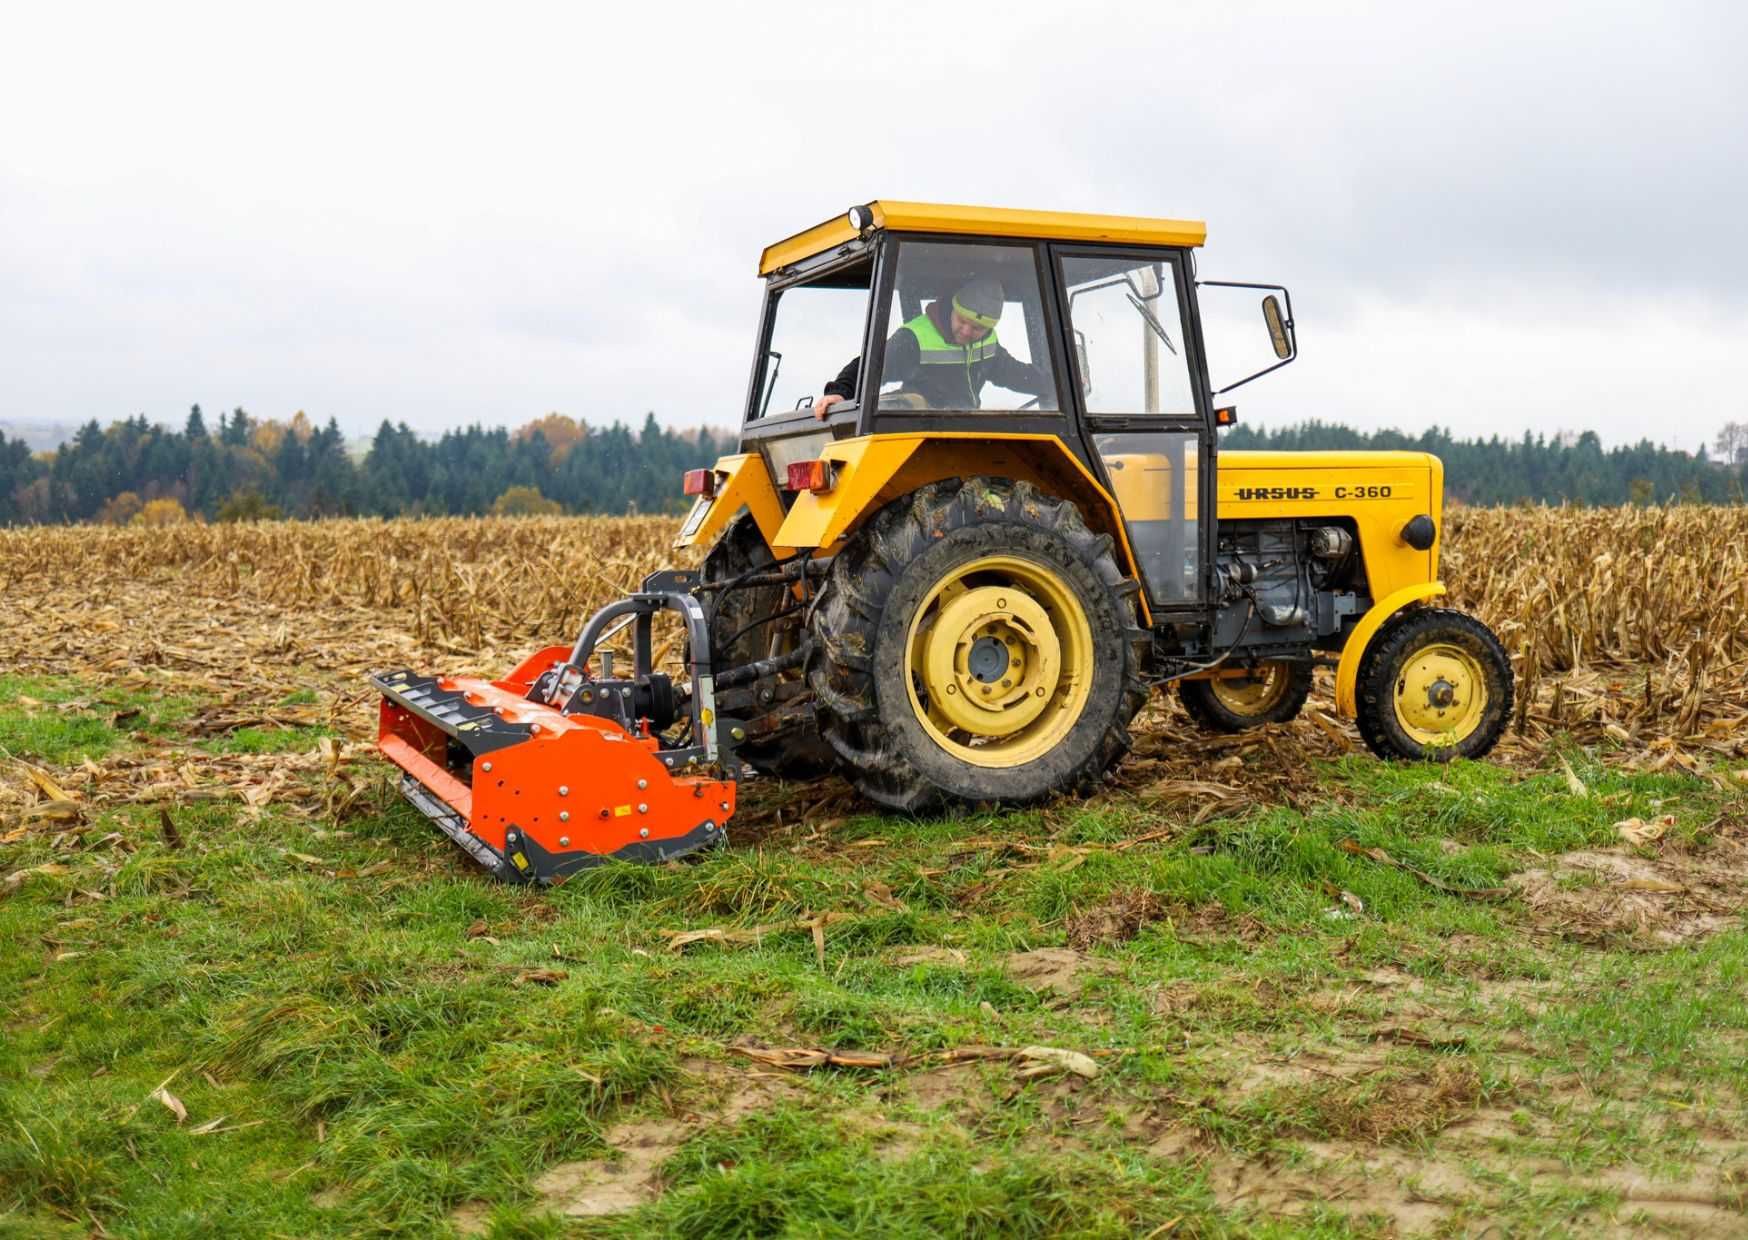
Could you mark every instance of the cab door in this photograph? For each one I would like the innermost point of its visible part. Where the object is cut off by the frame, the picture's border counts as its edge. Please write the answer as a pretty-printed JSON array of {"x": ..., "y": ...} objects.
[{"x": 1141, "y": 394}]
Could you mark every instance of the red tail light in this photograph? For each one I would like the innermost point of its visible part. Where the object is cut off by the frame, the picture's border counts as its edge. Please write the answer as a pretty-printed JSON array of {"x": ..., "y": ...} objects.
[
  {"x": 700, "y": 482},
  {"x": 815, "y": 476}
]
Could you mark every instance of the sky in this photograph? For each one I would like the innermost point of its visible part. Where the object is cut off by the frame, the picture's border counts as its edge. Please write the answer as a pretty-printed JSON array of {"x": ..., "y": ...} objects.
[{"x": 1493, "y": 217}]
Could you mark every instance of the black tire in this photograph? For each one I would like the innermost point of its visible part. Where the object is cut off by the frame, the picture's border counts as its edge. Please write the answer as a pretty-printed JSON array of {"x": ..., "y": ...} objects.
[
  {"x": 883, "y": 579},
  {"x": 1284, "y": 700},
  {"x": 1383, "y": 688},
  {"x": 798, "y": 752}
]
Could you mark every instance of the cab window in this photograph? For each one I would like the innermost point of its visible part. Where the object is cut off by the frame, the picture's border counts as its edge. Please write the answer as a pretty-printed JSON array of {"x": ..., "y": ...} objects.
[
  {"x": 965, "y": 330},
  {"x": 816, "y": 333}
]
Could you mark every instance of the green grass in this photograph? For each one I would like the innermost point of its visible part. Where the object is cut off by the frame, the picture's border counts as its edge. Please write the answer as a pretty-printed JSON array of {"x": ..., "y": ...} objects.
[
  {"x": 270, "y": 740},
  {"x": 379, "y": 1056},
  {"x": 64, "y": 723}
]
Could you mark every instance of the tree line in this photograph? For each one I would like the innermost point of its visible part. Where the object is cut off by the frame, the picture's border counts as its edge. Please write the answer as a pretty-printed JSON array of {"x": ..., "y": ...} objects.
[{"x": 250, "y": 468}]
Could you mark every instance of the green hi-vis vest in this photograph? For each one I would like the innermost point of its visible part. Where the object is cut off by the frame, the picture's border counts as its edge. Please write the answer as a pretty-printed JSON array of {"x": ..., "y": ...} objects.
[{"x": 937, "y": 350}]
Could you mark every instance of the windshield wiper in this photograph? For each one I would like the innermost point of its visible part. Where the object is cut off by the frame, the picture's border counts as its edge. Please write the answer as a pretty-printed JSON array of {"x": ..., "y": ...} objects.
[{"x": 1152, "y": 322}]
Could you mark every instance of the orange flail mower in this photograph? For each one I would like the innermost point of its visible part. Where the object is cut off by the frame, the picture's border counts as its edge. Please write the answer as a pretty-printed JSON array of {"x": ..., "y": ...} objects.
[{"x": 561, "y": 764}]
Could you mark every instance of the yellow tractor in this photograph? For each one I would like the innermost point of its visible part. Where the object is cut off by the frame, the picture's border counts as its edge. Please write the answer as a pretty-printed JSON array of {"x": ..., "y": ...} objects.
[{"x": 979, "y": 513}]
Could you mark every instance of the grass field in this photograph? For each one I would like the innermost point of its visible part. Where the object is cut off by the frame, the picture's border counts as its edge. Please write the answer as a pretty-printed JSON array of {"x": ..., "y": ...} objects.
[{"x": 1264, "y": 985}]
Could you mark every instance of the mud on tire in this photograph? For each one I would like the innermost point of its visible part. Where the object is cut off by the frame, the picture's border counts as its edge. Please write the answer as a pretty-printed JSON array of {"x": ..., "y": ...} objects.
[{"x": 860, "y": 671}]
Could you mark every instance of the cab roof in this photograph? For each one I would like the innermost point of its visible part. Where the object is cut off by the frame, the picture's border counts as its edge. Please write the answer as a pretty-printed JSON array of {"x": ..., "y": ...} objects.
[{"x": 933, "y": 217}]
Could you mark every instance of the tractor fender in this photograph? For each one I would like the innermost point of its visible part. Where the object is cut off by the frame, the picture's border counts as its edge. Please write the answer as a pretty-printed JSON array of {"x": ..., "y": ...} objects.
[
  {"x": 860, "y": 467},
  {"x": 1347, "y": 671},
  {"x": 742, "y": 481},
  {"x": 871, "y": 471}
]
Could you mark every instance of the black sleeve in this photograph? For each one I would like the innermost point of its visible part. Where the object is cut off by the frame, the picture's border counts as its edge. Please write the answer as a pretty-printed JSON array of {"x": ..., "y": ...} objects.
[
  {"x": 845, "y": 384},
  {"x": 903, "y": 356},
  {"x": 1008, "y": 371},
  {"x": 903, "y": 353}
]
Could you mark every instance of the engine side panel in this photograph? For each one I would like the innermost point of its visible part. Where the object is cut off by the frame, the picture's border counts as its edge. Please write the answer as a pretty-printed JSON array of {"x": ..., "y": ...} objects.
[{"x": 1380, "y": 492}]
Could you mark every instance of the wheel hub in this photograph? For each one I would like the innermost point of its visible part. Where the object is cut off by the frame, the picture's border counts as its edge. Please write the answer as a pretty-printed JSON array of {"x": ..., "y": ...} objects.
[
  {"x": 988, "y": 659},
  {"x": 1000, "y": 655},
  {"x": 1440, "y": 695},
  {"x": 994, "y": 657}
]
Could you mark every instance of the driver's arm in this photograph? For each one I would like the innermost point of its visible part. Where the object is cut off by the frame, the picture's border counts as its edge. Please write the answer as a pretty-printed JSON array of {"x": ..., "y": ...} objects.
[
  {"x": 1008, "y": 371},
  {"x": 903, "y": 355},
  {"x": 839, "y": 389}
]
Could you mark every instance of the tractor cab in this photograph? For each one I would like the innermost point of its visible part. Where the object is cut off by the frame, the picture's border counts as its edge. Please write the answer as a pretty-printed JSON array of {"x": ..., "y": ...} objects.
[{"x": 1087, "y": 333}]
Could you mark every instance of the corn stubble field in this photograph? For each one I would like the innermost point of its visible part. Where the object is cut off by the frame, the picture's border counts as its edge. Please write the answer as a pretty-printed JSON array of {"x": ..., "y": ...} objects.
[{"x": 1260, "y": 984}]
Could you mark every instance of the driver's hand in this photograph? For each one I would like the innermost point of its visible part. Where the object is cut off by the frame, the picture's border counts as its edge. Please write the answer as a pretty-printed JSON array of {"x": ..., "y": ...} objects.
[{"x": 823, "y": 405}]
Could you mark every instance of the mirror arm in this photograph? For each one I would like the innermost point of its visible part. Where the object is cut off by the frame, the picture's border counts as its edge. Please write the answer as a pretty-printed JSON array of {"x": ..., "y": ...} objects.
[
  {"x": 1292, "y": 335},
  {"x": 1259, "y": 374}
]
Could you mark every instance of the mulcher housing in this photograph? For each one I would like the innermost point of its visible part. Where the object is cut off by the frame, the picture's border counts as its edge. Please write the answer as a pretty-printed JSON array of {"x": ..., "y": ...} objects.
[
  {"x": 561, "y": 765},
  {"x": 967, "y": 603}
]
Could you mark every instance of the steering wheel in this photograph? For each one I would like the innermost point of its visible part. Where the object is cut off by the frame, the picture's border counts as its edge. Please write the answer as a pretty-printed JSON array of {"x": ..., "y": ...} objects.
[{"x": 1031, "y": 404}]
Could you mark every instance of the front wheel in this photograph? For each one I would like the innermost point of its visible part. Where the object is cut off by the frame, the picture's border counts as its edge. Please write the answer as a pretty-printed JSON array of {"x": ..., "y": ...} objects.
[
  {"x": 1434, "y": 684},
  {"x": 975, "y": 642}
]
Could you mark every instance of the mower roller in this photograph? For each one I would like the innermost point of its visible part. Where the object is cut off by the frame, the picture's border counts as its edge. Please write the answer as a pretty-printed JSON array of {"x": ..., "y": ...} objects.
[{"x": 562, "y": 764}]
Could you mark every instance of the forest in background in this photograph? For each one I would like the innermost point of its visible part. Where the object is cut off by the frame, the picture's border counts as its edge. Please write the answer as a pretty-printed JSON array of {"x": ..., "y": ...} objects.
[{"x": 247, "y": 468}]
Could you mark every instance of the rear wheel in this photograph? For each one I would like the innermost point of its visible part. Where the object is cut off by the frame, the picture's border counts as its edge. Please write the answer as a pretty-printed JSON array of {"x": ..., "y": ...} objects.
[
  {"x": 782, "y": 738},
  {"x": 1434, "y": 684},
  {"x": 1272, "y": 692},
  {"x": 975, "y": 642}
]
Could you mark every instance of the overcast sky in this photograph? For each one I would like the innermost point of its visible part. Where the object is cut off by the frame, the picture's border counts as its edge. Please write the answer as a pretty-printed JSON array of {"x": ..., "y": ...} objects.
[{"x": 1491, "y": 216}]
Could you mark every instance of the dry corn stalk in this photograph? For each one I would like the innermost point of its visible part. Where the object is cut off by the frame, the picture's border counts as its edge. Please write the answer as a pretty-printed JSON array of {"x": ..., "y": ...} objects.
[{"x": 1626, "y": 625}]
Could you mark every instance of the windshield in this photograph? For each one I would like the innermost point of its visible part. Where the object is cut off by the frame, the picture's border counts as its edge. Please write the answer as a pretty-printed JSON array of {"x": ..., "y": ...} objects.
[{"x": 816, "y": 338}]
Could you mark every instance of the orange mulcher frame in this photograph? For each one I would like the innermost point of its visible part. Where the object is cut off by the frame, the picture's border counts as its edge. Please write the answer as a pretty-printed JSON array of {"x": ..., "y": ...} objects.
[{"x": 554, "y": 768}]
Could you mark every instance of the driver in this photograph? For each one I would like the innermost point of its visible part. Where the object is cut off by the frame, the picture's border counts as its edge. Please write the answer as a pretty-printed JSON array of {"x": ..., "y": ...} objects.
[{"x": 945, "y": 355}]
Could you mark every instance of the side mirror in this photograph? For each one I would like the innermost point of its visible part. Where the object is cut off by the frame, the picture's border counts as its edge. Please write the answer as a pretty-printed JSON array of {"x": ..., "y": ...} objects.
[{"x": 1271, "y": 314}]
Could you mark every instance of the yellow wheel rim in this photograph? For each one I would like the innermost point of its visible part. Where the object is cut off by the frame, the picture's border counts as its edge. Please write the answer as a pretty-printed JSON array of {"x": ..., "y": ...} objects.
[
  {"x": 1441, "y": 695},
  {"x": 1256, "y": 693},
  {"x": 1001, "y": 661}
]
